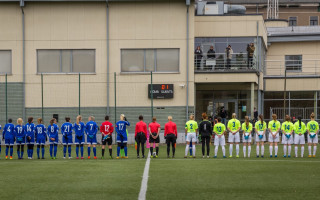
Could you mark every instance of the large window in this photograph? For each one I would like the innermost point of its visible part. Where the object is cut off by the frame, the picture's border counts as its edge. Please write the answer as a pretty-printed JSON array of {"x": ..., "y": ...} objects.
[
  {"x": 292, "y": 21},
  {"x": 147, "y": 60},
  {"x": 313, "y": 20},
  {"x": 66, "y": 61},
  {"x": 5, "y": 62},
  {"x": 293, "y": 62}
]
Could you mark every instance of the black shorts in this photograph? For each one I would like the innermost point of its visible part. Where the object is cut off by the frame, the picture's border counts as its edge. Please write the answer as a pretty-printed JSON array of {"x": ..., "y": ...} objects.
[
  {"x": 151, "y": 140},
  {"x": 108, "y": 140},
  {"x": 171, "y": 138},
  {"x": 141, "y": 138}
]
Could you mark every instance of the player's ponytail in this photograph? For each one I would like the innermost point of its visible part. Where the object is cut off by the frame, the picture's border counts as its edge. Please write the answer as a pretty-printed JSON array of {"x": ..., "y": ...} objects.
[
  {"x": 299, "y": 119},
  {"x": 234, "y": 115},
  {"x": 19, "y": 121},
  {"x": 246, "y": 118},
  {"x": 52, "y": 121},
  {"x": 274, "y": 117},
  {"x": 312, "y": 116},
  {"x": 122, "y": 116},
  {"x": 154, "y": 119},
  {"x": 261, "y": 118},
  {"x": 79, "y": 118},
  {"x": 30, "y": 120},
  {"x": 39, "y": 120},
  {"x": 204, "y": 116},
  {"x": 92, "y": 118},
  {"x": 288, "y": 118}
]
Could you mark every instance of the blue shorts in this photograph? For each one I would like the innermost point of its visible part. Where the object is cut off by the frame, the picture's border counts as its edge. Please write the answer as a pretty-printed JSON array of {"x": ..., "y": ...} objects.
[
  {"x": 92, "y": 140},
  {"x": 55, "y": 141},
  {"x": 9, "y": 141},
  {"x": 41, "y": 141},
  {"x": 77, "y": 141},
  {"x": 67, "y": 141},
  {"x": 31, "y": 141},
  {"x": 20, "y": 140},
  {"x": 123, "y": 139}
]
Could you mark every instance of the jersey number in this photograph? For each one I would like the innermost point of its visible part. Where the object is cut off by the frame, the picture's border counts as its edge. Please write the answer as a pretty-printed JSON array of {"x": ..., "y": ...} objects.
[
  {"x": 106, "y": 128},
  {"x": 219, "y": 129},
  {"x": 29, "y": 128},
  {"x": 234, "y": 124},
  {"x": 39, "y": 130},
  {"x": 313, "y": 126},
  {"x": 52, "y": 129},
  {"x": 191, "y": 126},
  {"x": 288, "y": 127},
  {"x": 121, "y": 127},
  {"x": 261, "y": 126}
]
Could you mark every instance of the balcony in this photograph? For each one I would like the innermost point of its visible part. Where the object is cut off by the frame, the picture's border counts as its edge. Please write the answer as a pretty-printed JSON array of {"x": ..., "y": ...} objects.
[
  {"x": 218, "y": 63},
  {"x": 292, "y": 68}
]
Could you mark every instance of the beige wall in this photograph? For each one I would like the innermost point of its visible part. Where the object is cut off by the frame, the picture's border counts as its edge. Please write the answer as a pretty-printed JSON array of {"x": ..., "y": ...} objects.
[
  {"x": 230, "y": 26},
  {"x": 226, "y": 78},
  {"x": 10, "y": 38},
  {"x": 296, "y": 84},
  {"x": 276, "y": 23},
  {"x": 78, "y": 25},
  {"x": 310, "y": 51}
]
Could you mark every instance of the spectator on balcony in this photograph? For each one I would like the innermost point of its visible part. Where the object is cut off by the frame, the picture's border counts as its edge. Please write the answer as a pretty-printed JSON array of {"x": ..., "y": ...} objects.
[
  {"x": 211, "y": 55},
  {"x": 229, "y": 53},
  {"x": 198, "y": 57},
  {"x": 250, "y": 50}
]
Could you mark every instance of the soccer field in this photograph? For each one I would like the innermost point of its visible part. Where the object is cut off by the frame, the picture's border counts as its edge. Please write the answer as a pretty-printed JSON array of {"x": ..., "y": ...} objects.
[{"x": 179, "y": 178}]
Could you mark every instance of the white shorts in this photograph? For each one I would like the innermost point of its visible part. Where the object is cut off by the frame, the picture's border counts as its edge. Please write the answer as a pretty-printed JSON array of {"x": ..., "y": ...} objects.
[
  {"x": 248, "y": 140},
  {"x": 234, "y": 138},
  {"x": 263, "y": 138},
  {"x": 191, "y": 136},
  {"x": 299, "y": 139},
  {"x": 286, "y": 140},
  {"x": 313, "y": 140},
  {"x": 219, "y": 141},
  {"x": 272, "y": 139}
]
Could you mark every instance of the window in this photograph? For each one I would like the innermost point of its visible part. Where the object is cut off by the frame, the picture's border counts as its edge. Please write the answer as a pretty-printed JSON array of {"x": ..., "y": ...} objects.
[
  {"x": 292, "y": 21},
  {"x": 147, "y": 60},
  {"x": 5, "y": 62},
  {"x": 293, "y": 62},
  {"x": 66, "y": 61},
  {"x": 313, "y": 20}
]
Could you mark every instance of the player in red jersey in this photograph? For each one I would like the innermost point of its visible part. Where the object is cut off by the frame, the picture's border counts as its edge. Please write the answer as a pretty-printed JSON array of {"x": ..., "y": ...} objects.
[
  {"x": 140, "y": 135},
  {"x": 106, "y": 129},
  {"x": 154, "y": 131},
  {"x": 170, "y": 134}
]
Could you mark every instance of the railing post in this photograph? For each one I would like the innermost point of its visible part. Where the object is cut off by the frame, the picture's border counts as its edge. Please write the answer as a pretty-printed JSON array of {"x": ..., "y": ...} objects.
[
  {"x": 6, "y": 87},
  {"x": 115, "y": 101},
  {"x": 42, "y": 96}
]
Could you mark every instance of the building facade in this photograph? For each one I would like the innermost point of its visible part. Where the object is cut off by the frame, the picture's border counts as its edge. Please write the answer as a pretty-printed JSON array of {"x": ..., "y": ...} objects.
[{"x": 62, "y": 58}]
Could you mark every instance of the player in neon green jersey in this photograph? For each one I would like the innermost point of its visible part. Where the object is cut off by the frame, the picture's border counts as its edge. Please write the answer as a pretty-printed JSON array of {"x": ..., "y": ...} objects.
[
  {"x": 287, "y": 137},
  {"x": 246, "y": 137},
  {"x": 274, "y": 128},
  {"x": 219, "y": 129},
  {"x": 299, "y": 129},
  {"x": 191, "y": 133},
  {"x": 234, "y": 136},
  {"x": 260, "y": 128},
  {"x": 313, "y": 130}
]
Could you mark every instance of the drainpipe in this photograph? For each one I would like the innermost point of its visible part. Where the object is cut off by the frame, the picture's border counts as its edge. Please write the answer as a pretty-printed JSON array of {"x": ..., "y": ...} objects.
[
  {"x": 23, "y": 62},
  {"x": 108, "y": 64},
  {"x": 187, "y": 87}
]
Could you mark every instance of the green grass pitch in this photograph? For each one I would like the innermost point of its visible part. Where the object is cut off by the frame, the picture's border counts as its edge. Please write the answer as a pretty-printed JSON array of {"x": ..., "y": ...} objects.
[{"x": 179, "y": 178}]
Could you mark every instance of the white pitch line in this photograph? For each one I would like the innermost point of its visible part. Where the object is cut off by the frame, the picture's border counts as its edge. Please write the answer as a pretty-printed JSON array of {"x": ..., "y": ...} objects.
[{"x": 144, "y": 183}]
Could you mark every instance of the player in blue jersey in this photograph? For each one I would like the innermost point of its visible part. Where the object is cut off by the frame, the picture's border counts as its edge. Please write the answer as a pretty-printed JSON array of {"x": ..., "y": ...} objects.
[
  {"x": 91, "y": 131},
  {"x": 53, "y": 131},
  {"x": 122, "y": 138},
  {"x": 66, "y": 130},
  {"x": 20, "y": 135},
  {"x": 8, "y": 136},
  {"x": 79, "y": 128},
  {"x": 41, "y": 137},
  {"x": 29, "y": 128}
]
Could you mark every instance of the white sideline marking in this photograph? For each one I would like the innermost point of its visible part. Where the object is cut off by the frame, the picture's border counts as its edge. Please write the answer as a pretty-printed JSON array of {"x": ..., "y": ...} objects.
[
  {"x": 144, "y": 183},
  {"x": 240, "y": 160}
]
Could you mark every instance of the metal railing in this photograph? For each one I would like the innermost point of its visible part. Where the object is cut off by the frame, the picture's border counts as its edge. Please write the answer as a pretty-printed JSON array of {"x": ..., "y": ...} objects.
[
  {"x": 292, "y": 68},
  {"x": 219, "y": 62},
  {"x": 293, "y": 112}
]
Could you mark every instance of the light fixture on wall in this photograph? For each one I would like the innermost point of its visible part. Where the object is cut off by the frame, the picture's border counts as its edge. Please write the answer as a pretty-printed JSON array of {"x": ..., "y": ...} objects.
[{"x": 182, "y": 85}]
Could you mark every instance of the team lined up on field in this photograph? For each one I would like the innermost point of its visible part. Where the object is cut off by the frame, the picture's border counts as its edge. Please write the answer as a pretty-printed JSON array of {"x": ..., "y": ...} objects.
[{"x": 30, "y": 134}]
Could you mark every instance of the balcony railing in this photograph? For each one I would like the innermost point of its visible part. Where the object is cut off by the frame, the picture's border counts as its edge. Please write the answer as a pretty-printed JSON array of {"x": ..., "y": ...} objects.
[
  {"x": 221, "y": 63},
  {"x": 293, "y": 68}
]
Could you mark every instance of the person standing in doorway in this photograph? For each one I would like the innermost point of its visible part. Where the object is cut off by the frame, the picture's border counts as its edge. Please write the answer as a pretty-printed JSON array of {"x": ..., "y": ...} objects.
[
  {"x": 229, "y": 53},
  {"x": 223, "y": 115}
]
